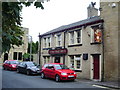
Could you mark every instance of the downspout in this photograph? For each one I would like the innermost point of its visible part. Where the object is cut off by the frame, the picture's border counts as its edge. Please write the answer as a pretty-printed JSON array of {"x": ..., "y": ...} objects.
[
  {"x": 64, "y": 48},
  {"x": 102, "y": 27},
  {"x": 39, "y": 49}
]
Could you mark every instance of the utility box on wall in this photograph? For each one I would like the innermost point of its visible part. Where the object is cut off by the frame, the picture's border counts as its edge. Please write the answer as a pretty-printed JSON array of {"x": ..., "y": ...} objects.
[{"x": 85, "y": 56}]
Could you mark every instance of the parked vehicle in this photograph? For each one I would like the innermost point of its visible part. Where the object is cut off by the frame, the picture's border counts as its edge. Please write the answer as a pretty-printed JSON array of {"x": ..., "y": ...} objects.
[
  {"x": 10, "y": 64},
  {"x": 57, "y": 71},
  {"x": 28, "y": 68}
]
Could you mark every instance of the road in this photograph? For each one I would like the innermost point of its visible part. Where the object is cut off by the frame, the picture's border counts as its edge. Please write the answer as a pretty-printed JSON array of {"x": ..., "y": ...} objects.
[{"x": 12, "y": 79}]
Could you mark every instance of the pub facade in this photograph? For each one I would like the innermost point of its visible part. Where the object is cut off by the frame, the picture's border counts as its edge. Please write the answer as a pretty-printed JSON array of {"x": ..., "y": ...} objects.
[
  {"x": 88, "y": 46},
  {"x": 77, "y": 45}
]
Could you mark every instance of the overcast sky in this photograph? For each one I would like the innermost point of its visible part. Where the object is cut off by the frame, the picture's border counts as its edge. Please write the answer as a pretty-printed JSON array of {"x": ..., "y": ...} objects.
[{"x": 55, "y": 14}]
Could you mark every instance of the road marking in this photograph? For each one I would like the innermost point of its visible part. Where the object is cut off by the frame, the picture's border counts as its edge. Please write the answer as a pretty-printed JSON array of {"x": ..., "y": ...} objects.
[{"x": 99, "y": 86}]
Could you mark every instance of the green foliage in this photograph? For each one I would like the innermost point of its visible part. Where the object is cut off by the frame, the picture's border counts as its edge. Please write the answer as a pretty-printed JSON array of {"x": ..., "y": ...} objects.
[
  {"x": 34, "y": 47},
  {"x": 11, "y": 22},
  {"x": 26, "y": 56}
]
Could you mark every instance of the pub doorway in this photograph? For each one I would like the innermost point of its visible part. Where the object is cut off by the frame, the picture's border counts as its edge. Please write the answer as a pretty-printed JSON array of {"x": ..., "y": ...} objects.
[
  {"x": 96, "y": 67},
  {"x": 57, "y": 60}
]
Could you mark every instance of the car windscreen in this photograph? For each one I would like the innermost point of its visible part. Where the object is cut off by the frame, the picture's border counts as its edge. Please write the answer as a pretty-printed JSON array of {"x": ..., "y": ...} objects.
[
  {"x": 13, "y": 62},
  {"x": 30, "y": 64},
  {"x": 61, "y": 66}
]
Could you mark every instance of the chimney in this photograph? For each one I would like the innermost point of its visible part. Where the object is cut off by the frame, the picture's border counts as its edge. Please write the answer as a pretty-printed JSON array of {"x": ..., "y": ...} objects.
[{"x": 92, "y": 11}]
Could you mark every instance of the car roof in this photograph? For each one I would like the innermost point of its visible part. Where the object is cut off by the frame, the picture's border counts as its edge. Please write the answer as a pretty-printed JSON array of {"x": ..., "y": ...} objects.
[
  {"x": 54, "y": 63},
  {"x": 11, "y": 60}
]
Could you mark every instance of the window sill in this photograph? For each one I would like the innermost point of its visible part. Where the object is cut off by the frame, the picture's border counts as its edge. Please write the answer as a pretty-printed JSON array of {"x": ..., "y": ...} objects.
[
  {"x": 74, "y": 45},
  {"x": 47, "y": 48},
  {"x": 95, "y": 43},
  {"x": 77, "y": 70}
]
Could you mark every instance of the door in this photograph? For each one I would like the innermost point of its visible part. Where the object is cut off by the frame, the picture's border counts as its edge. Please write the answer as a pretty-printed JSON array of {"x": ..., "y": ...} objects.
[
  {"x": 96, "y": 67},
  {"x": 57, "y": 60},
  {"x": 5, "y": 56}
]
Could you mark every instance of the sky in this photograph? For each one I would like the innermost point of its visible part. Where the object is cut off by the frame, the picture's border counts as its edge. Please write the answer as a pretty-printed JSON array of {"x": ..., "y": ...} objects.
[{"x": 55, "y": 14}]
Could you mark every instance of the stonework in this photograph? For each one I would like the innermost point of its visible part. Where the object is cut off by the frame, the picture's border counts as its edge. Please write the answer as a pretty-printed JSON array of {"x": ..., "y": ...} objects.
[
  {"x": 110, "y": 16},
  {"x": 21, "y": 49}
]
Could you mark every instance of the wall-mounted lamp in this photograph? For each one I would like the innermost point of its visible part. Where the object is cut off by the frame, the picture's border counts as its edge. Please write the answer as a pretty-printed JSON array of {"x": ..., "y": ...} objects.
[{"x": 113, "y": 5}]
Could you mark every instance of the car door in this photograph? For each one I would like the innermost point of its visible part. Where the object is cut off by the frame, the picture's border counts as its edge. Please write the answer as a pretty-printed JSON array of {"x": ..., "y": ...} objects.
[
  {"x": 19, "y": 67},
  {"x": 24, "y": 67},
  {"x": 7, "y": 64},
  {"x": 51, "y": 71}
]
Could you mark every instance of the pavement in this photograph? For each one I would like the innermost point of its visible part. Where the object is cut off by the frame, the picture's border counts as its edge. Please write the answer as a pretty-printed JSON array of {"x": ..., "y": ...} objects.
[{"x": 108, "y": 84}]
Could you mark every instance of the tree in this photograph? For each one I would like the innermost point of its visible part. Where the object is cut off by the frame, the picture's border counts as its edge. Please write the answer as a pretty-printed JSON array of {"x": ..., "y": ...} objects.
[
  {"x": 11, "y": 22},
  {"x": 34, "y": 47}
]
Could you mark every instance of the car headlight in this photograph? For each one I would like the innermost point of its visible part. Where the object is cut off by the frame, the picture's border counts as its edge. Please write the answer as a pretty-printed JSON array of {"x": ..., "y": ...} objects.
[
  {"x": 13, "y": 66},
  {"x": 63, "y": 73},
  {"x": 32, "y": 69},
  {"x": 74, "y": 72}
]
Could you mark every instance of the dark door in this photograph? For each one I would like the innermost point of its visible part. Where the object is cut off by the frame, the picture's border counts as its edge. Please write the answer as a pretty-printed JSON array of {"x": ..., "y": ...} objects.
[
  {"x": 57, "y": 60},
  {"x": 96, "y": 67},
  {"x": 5, "y": 56}
]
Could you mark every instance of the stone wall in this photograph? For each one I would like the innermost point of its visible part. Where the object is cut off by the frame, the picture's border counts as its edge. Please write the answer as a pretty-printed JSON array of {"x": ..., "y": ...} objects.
[{"x": 110, "y": 16}]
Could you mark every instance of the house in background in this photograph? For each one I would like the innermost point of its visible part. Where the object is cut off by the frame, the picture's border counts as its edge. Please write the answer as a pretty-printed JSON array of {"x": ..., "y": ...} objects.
[
  {"x": 90, "y": 46},
  {"x": 16, "y": 53}
]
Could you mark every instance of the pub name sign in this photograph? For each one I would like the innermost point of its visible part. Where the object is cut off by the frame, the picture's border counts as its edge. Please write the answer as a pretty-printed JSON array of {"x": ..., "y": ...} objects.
[{"x": 58, "y": 51}]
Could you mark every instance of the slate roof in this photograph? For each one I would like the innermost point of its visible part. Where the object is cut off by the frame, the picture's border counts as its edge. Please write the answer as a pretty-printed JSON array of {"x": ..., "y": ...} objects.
[{"x": 89, "y": 21}]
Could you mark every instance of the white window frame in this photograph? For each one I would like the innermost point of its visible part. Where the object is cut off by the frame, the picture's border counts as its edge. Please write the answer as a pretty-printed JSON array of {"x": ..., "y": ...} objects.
[
  {"x": 93, "y": 35},
  {"x": 71, "y": 38},
  {"x": 45, "y": 42},
  {"x": 74, "y": 66},
  {"x": 49, "y": 41},
  {"x": 76, "y": 36},
  {"x": 59, "y": 40}
]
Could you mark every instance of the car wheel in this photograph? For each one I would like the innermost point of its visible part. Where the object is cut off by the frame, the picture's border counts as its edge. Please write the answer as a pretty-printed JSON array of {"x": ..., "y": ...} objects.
[
  {"x": 10, "y": 69},
  {"x": 18, "y": 71},
  {"x": 57, "y": 78},
  {"x": 3, "y": 68},
  {"x": 42, "y": 75},
  {"x": 28, "y": 72}
]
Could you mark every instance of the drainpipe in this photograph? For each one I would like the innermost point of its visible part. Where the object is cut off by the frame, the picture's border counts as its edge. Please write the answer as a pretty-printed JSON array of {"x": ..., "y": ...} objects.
[
  {"x": 102, "y": 79},
  {"x": 64, "y": 48},
  {"x": 39, "y": 48}
]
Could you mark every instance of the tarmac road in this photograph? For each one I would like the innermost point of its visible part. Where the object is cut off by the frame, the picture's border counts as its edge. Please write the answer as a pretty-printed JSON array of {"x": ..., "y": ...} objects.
[{"x": 12, "y": 79}]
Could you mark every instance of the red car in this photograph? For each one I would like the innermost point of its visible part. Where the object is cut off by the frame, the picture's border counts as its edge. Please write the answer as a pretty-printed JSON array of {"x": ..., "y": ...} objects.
[
  {"x": 10, "y": 64},
  {"x": 57, "y": 71}
]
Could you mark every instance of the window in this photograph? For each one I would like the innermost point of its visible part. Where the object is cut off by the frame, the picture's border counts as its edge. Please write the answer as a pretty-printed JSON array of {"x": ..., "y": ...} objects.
[
  {"x": 71, "y": 37},
  {"x": 75, "y": 62},
  {"x": 96, "y": 35},
  {"x": 45, "y": 43},
  {"x": 75, "y": 37},
  {"x": 46, "y": 59},
  {"x": 78, "y": 32},
  {"x": 59, "y": 40},
  {"x": 72, "y": 61},
  {"x": 49, "y": 42},
  {"x": 15, "y": 55},
  {"x": 20, "y": 56}
]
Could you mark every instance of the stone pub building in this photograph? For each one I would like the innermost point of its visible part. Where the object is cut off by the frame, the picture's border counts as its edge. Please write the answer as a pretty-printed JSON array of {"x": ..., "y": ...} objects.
[{"x": 88, "y": 46}]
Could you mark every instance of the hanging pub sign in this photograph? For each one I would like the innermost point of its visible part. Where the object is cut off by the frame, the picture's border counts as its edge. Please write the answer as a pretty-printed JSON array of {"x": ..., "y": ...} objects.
[
  {"x": 58, "y": 51},
  {"x": 97, "y": 35}
]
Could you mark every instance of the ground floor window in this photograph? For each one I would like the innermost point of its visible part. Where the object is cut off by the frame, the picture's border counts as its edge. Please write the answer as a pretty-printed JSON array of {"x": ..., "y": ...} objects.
[
  {"x": 46, "y": 59},
  {"x": 17, "y": 55},
  {"x": 75, "y": 62}
]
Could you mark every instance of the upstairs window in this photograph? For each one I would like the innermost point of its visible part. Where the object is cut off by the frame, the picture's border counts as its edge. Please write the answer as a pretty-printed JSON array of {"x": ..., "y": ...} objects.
[
  {"x": 72, "y": 37},
  {"x": 78, "y": 36},
  {"x": 49, "y": 42},
  {"x": 45, "y": 43},
  {"x": 96, "y": 34},
  {"x": 59, "y": 40}
]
